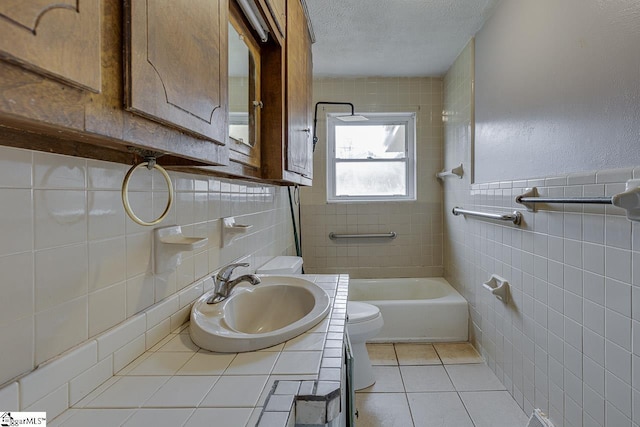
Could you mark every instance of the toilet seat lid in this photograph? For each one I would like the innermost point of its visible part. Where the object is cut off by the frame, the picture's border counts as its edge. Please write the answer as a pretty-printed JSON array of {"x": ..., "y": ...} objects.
[{"x": 361, "y": 311}]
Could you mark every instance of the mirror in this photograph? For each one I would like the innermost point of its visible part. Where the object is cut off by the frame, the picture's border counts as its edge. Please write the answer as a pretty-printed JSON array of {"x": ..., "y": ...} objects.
[{"x": 244, "y": 91}]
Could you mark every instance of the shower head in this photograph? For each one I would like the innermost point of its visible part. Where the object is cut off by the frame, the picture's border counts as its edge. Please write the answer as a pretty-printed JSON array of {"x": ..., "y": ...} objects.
[{"x": 350, "y": 118}]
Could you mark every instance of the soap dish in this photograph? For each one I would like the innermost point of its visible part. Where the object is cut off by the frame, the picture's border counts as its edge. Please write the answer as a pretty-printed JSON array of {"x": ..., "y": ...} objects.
[
  {"x": 498, "y": 287},
  {"x": 168, "y": 245},
  {"x": 231, "y": 230}
]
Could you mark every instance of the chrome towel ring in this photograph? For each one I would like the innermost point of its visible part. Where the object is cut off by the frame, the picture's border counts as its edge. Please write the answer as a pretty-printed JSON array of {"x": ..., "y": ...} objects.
[{"x": 150, "y": 163}]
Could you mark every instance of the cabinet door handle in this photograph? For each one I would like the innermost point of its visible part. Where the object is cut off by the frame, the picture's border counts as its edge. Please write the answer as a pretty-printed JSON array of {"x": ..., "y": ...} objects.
[{"x": 307, "y": 130}]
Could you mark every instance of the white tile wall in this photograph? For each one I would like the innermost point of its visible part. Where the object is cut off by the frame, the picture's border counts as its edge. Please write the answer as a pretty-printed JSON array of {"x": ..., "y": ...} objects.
[
  {"x": 84, "y": 383},
  {"x": 17, "y": 216},
  {"x": 73, "y": 265},
  {"x": 567, "y": 341},
  {"x": 417, "y": 251},
  {"x": 9, "y": 397},
  {"x": 37, "y": 385}
]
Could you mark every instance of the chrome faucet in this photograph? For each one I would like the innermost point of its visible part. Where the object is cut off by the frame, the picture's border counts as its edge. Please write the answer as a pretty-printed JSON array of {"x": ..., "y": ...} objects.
[{"x": 223, "y": 285}]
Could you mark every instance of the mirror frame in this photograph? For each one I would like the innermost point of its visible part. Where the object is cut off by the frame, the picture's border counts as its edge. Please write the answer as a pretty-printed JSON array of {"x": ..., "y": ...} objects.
[{"x": 239, "y": 151}]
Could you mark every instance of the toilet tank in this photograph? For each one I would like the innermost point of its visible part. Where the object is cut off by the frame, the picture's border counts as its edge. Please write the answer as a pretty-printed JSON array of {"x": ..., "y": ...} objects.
[{"x": 282, "y": 265}]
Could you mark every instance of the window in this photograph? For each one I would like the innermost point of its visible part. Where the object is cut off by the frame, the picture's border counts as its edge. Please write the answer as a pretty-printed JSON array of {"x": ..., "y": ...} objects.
[{"x": 372, "y": 160}]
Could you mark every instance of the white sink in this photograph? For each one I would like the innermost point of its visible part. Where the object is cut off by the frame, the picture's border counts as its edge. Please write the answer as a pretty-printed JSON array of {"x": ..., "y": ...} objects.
[{"x": 261, "y": 316}]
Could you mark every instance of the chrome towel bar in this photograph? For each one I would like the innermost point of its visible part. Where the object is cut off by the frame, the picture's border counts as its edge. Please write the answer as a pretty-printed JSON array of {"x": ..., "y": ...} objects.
[
  {"x": 333, "y": 236},
  {"x": 530, "y": 197},
  {"x": 589, "y": 200},
  {"x": 515, "y": 217},
  {"x": 575, "y": 200},
  {"x": 628, "y": 200}
]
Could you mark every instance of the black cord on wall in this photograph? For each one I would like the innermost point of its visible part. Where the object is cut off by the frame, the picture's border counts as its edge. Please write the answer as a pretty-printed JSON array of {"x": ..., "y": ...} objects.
[{"x": 293, "y": 221}]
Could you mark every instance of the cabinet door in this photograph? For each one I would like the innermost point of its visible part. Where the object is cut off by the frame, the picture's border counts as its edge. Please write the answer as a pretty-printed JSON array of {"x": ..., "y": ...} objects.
[
  {"x": 57, "y": 38},
  {"x": 177, "y": 64},
  {"x": 299, "y": 78}
]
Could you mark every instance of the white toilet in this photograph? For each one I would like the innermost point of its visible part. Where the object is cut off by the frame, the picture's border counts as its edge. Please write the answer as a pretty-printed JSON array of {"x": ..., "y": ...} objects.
[{"x": 364, "y": 322}]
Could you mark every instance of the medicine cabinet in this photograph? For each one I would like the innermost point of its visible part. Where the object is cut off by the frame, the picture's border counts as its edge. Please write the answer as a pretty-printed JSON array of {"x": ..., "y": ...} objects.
[{"x": 245, "y": 102}]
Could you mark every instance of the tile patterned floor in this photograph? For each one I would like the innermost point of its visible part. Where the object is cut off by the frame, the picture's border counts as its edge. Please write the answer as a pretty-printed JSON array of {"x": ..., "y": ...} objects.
[{"x": 434, "y": 385}]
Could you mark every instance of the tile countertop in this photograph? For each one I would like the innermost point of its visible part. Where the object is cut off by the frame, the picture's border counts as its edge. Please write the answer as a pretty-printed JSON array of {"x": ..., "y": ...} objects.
[{"x": 175, "y": 383}]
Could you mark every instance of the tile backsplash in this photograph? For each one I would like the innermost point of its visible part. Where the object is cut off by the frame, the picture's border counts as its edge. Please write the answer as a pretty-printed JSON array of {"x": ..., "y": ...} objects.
[{"x": 74, "y": 265}]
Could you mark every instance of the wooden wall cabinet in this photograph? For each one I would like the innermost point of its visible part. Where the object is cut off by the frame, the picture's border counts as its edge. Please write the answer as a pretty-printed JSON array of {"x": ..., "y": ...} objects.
[
  {"x": 177, "y": 64},
  {"x": 299, "y": 79},
  {"x": 286, "y": 155},
  {"x": 62, "y": 86},
  {"x": 63, "y": 89},
  {"x": 287, "y": 134}
]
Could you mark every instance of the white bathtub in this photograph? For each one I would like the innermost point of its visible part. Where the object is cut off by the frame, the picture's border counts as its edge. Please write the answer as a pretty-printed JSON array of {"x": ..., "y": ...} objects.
[{"x": 415, "y": 309}]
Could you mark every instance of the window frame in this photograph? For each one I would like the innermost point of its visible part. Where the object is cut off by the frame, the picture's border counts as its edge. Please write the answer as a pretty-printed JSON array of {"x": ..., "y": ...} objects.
[{"x": 409, "y": 122}]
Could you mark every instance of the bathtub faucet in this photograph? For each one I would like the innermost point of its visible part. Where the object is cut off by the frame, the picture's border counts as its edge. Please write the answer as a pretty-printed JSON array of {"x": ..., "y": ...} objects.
[{"x": 223, "y": 285}]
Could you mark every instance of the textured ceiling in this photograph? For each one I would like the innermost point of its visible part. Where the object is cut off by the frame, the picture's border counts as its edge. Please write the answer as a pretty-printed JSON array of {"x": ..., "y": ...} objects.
[{"x": 392, "y": 37}]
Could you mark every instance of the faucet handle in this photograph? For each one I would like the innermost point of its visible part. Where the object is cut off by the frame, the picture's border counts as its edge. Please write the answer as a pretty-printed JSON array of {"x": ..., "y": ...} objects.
[{"x": 226, "y": 271}]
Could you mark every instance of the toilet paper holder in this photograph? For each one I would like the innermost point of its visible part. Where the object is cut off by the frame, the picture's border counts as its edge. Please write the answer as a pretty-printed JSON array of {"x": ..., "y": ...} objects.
[{"x": 499, "y": 287}]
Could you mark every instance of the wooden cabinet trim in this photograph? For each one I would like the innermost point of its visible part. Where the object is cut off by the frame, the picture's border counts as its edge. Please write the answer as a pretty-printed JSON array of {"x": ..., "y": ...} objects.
[{"x": 278, "y": 9}]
